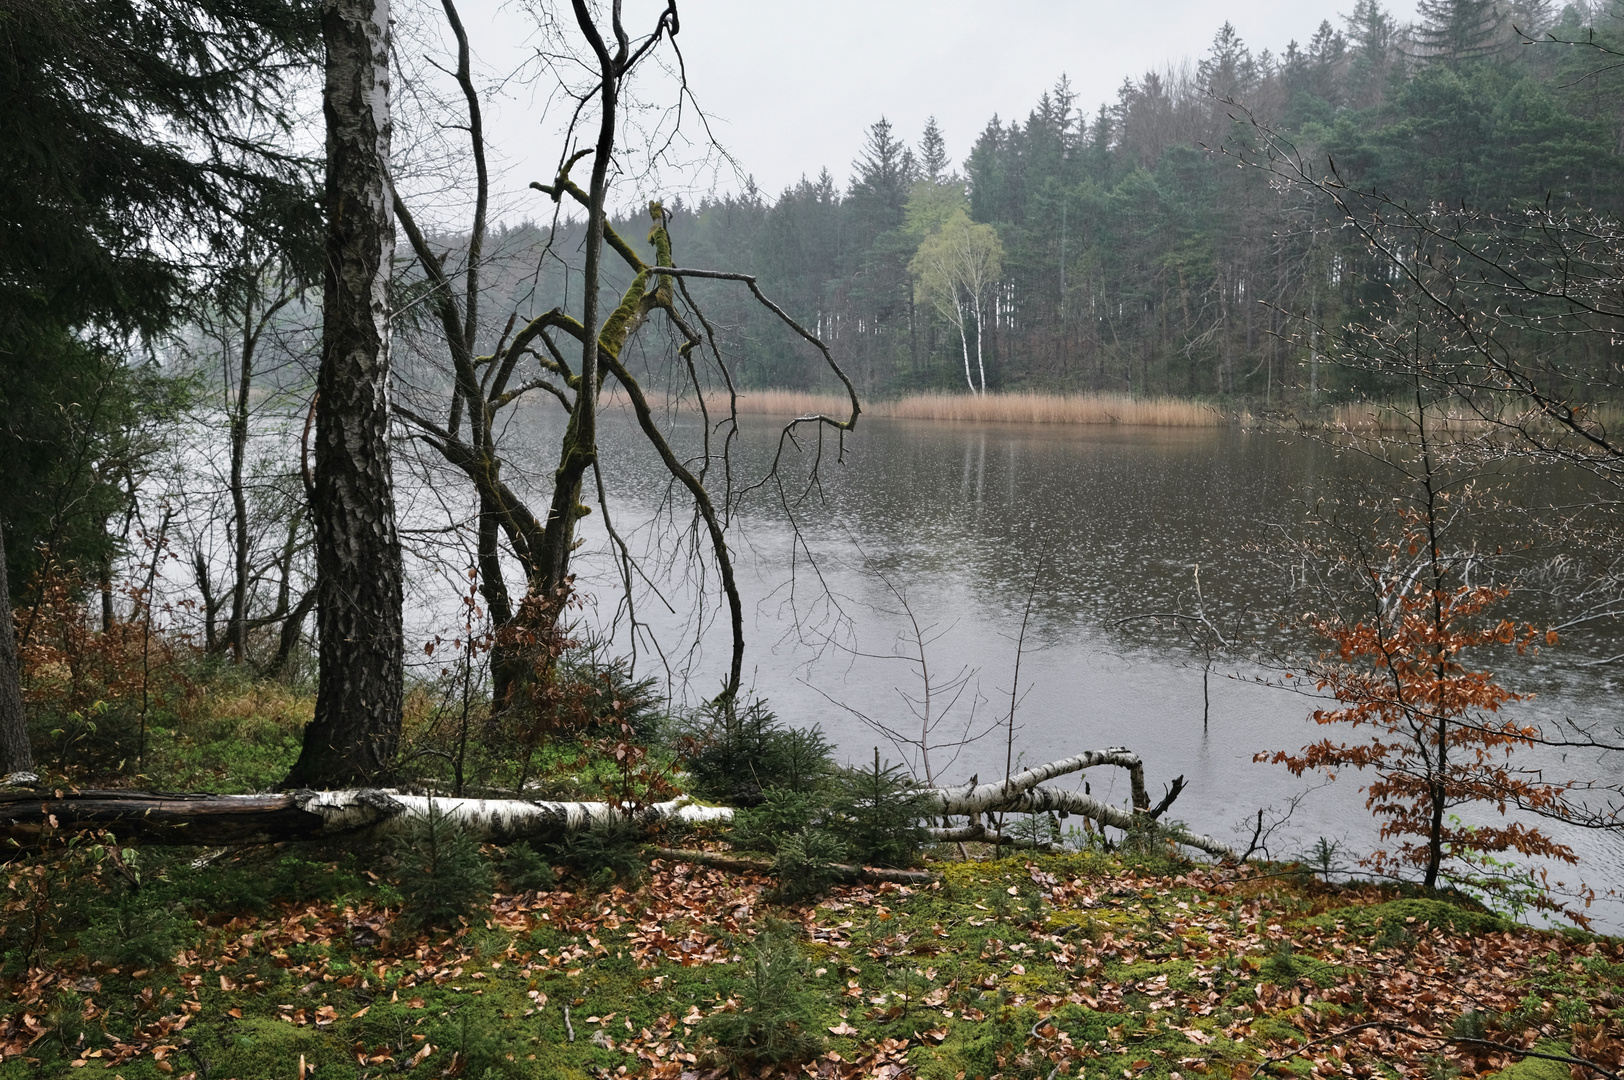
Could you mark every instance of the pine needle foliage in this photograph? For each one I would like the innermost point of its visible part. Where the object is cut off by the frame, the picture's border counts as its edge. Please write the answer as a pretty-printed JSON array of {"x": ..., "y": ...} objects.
[
  {"x": 781, "y": 815},
  {"x": 601, "y": 855},
  {"x": 775, "y": 1023},
  {"x": 524, "y": 870},
  {"x": 879, "y": 808},
  {"x": 443, "y": 875},
  {"x": 736, "y": 754},
  {"x": 804, "y": 864},
  {"x": 796, "y": 827}
]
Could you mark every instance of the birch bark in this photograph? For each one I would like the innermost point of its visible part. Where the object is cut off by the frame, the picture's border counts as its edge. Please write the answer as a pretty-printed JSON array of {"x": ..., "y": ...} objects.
[{"x": 354, "y": 735}]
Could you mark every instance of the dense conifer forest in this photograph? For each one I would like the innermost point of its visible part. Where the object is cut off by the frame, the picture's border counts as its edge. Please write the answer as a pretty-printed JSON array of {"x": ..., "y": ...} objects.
[{"x": 1136, "y": 248}]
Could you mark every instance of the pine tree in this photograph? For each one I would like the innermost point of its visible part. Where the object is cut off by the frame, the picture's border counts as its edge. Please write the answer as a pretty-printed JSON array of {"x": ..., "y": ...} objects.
[
  {"x": 1370, "y": 33},
  {"x": 1457, "y": 30},
  {"x": 1228, "y": 69},
  {"x": 883, "y": 175},
  {"x": 1532, "y": 17},
  {"x": 933, "y": 153}
]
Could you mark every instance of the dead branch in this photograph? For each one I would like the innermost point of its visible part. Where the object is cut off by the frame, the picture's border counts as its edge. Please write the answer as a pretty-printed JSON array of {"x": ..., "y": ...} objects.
[{"x": 842, "y": 871}]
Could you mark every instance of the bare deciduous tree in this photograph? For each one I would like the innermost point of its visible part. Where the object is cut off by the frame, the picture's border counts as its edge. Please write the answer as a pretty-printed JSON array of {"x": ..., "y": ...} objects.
[{"x": 531, "y": 354}]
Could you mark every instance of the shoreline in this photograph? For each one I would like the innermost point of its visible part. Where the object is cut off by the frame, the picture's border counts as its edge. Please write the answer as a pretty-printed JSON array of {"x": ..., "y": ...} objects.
[{"x": 1018, "y": 407}]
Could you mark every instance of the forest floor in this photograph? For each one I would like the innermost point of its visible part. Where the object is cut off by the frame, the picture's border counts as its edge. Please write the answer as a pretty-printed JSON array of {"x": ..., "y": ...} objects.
[{"x": 1039, "y": 967}]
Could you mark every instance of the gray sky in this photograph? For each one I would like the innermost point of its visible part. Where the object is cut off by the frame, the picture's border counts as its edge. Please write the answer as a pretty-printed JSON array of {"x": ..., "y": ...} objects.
[{"x": 792, "y": 87}]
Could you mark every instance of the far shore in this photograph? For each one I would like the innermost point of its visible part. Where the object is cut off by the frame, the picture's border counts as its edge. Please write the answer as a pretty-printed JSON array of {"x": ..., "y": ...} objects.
[
  {"x": 1036, "y": 407},
  {"x": 1019, "y": 407}
]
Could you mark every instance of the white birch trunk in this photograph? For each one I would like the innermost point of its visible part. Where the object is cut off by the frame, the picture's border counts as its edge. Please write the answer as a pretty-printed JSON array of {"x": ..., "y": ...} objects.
[
  {"x": 964, "y": 339},
  {"x": 981, "y": 364},
  {"x": 386, "y": 811}
]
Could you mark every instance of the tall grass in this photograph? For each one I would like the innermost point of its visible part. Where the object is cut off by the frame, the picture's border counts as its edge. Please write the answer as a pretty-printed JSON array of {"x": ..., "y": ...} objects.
[
  {"x": 1023, "y": 407},
  {"x": 1374, "y": 418}
]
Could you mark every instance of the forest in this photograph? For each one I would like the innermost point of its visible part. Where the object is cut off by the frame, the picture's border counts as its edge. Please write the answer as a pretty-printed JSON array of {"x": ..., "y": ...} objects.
[
  {"x": 1132, "y": 254},
  {"x": 388, "y": 683}
]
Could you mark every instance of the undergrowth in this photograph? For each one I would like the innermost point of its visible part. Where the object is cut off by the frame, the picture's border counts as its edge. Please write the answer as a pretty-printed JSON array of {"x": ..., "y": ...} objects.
[{"x": 1022, "y": 967}]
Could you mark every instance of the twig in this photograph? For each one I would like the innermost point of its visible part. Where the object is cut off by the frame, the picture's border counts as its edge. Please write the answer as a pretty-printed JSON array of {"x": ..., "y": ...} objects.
[
  {"x": 569, "y": 1027},
  {"x": 1389, "y": 1025},
  {"x": 1256, "y": 833},
  {"x": 844, "y": 871},
  {"x": 1167, "y": 800}
]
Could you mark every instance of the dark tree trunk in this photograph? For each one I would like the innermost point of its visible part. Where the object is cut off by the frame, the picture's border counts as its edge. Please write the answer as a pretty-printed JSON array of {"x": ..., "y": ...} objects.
[
  {"x": 15, "y": 755},
  {"x": 354, "y": 735},
  {"x": 292, "y": 630},
  {"x": 211, "y": 603},
  {"x": 237, "y": 628}
]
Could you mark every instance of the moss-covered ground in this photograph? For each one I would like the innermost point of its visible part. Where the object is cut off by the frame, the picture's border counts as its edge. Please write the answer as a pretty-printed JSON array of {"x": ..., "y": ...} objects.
[{"x": 275, "y": 964}]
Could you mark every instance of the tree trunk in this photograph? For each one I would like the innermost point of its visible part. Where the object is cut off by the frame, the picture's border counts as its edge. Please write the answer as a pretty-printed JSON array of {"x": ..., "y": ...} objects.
[
  {"x": 981, "y": 360},
  {"x": 1021, "y": 794},
  {"x": 15, "y": 755},
  {"x": 158, "y": 817},
  {"x": 237, "y": 628},
  {"x": 580, "y": 447},
  {"x": 356, "y": 729},
  {"x": 839, "y": 871},
  {"x": 311, "y": 815}
]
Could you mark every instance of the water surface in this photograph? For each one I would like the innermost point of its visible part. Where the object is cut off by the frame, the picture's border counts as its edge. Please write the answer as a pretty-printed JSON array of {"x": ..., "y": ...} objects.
[{"x": 968, "y": 531}]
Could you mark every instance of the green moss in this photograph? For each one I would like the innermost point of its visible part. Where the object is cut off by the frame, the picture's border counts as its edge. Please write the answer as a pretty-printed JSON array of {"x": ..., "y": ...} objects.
[
  {"x": 1537, "y": 1068},
  {"x": 1416, "y": 914},
  {"x": 1179, "y": 973}
]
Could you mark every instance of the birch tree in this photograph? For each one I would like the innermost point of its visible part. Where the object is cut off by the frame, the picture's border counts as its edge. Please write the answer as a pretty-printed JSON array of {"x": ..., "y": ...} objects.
[
  {"x": 358, "y": 562},
  {"x": 956, "y": 267}
]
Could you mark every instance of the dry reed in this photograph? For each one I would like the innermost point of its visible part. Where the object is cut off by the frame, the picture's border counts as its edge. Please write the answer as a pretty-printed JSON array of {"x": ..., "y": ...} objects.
[
  {"x": 1023, "y": 407},
  {"x": 1374, "y": 418}
]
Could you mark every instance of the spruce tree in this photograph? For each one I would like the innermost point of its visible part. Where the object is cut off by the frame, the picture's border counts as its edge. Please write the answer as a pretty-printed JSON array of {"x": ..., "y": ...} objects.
[
  {"x": 933, "y": 153},
  {"x": 1457, "y": 30}
]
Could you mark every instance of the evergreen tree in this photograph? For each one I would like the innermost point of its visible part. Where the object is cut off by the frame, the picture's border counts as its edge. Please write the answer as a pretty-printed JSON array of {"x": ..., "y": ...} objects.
[
  {"x": 1371, "y": 54},
  {"x": 123, "y": 151},
  {"x": 1228, "y": 70},
  {"x": 1532, "y": 17},
  {"x": 1457, "y": 30},
  {"x": 883, "y": 174},
  {"x": 933, "y": 153}
]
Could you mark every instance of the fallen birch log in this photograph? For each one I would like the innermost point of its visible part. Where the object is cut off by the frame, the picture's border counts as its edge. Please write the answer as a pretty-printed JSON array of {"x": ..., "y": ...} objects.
[
  {"x": 974, "y": 798},
  {"x": 1021, "y": 794},
  {"x": 868, "y": 875},
  {"x": 30, "y": 816},
  {"x": 1048, "y": 800}
]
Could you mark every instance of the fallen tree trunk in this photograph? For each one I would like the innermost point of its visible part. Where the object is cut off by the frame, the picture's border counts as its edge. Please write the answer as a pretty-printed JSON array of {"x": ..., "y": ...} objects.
[
  {"x": 974, "y": 798},
  {"x": 1040, "y": 800},
  {"x": 867, "y": 875},
  {"x": 28, "y": 817},
  {"x": 1021, "y": 794}
]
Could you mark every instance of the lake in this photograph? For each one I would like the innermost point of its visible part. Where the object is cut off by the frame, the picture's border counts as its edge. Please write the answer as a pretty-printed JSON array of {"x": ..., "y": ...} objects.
[{"x": 965, "y": 531}]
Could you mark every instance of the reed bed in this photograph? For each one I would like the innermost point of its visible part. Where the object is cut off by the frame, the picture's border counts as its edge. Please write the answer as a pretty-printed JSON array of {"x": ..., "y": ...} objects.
[
  {"x": 1023, "y": 407},
  {"x": 1374, "y": 418}
]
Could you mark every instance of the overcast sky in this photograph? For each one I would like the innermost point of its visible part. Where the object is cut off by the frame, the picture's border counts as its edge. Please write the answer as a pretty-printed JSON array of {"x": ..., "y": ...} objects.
[{"x": 791, "y": 88}]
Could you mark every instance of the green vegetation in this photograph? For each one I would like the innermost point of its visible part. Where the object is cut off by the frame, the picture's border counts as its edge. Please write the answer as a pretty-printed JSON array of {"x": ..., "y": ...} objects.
[
  {"x": 1131, "y": 256},
  {"x": 1006, "y": 969}
]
